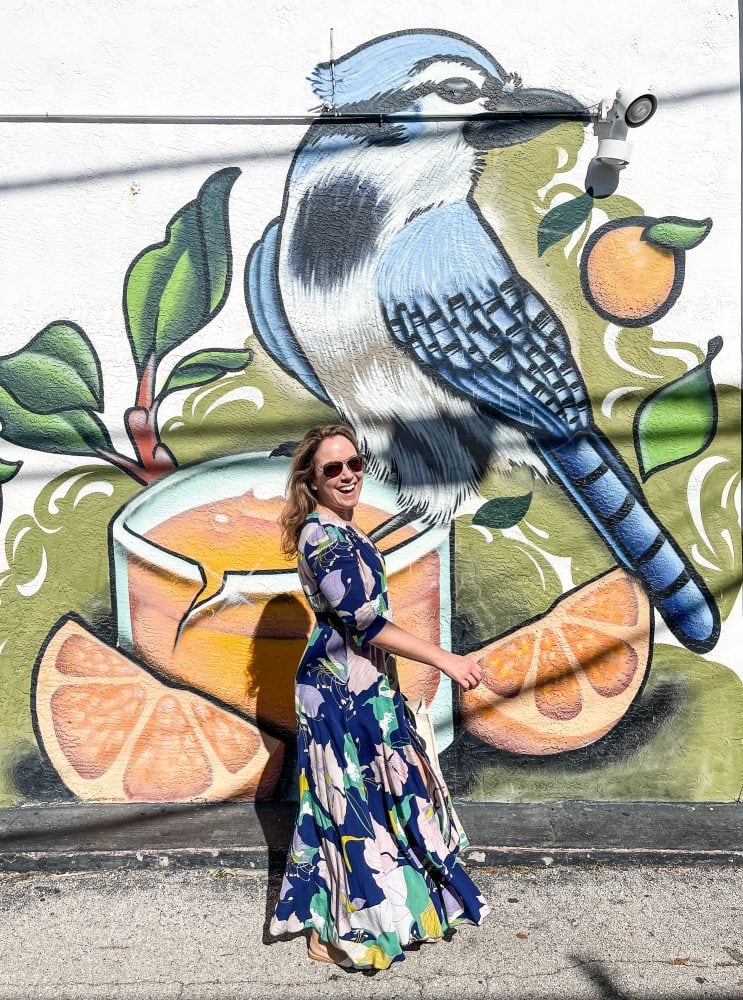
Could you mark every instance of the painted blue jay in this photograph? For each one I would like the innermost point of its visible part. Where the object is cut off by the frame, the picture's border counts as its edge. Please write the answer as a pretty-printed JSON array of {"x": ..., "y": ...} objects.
[{"x": 384, "y": 291}]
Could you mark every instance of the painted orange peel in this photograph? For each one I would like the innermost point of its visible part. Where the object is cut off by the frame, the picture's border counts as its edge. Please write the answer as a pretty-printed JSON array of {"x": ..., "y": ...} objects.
[
  {"x": 116, "y": 733},
  {"x": 564, "y": 680},
  {"x": 632, "y": 269}
]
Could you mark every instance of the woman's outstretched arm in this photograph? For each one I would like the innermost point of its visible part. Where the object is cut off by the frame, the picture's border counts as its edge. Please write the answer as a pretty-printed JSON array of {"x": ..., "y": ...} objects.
[{"x": 462, "y": 669}]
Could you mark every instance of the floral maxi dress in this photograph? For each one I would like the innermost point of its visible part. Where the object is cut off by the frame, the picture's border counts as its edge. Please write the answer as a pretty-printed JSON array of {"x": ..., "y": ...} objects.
[{"x": 373, "y": 861}]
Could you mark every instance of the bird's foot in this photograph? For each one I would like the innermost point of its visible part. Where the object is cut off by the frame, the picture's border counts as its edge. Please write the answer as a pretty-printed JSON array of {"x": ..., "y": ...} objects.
[
  {"x": 284, "y": 450},
  {"x": 392, "y": 524}
]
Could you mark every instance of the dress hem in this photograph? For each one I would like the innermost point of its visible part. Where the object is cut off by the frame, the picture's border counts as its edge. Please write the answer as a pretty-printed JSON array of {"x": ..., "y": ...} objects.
[{"x": 348, "y": 962}]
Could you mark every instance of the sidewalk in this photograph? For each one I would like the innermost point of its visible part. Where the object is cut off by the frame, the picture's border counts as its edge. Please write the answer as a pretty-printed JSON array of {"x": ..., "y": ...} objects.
[
  {"x": 578, "y": 932},
  {"x": 75, "y": 836}
]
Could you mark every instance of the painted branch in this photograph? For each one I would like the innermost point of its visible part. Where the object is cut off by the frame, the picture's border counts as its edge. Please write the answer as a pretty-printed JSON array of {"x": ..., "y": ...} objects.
[
  {"x": 146, "y": 387},
  {"x": 140, "y": 421},
  {"x": 126, "y": 465},
  {"x": 143, "y": 434}
]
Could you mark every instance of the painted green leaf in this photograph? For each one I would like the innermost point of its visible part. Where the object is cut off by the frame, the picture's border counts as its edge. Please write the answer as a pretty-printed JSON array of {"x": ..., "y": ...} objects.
[
  {"x": 562, "y": 220},
  {"x": 8, "y": 470},
  {"x": 174, "y": 288},
  {"x": 203, "y": 367},
  {"x": 69, "y": 432},
  {"x": 502, "y": 512},
  {"x": 57, "y": 370},
  {"x": 678, "y": 420},
  {"x": 677, "y": 234}
]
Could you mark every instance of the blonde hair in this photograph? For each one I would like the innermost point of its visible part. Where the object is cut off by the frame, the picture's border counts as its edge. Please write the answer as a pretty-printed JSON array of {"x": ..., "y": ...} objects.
[{"x": 300, "y": 500}]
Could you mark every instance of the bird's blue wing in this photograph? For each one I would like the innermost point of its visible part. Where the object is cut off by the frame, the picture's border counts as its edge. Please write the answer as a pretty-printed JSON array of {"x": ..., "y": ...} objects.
[
  {"x": 267, "y": 313},
  {"x": 451, "y": 298}
]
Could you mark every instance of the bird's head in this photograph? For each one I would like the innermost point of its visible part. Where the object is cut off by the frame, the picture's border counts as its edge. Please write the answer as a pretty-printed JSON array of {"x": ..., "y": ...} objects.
[{"x": 438, "y": 73}]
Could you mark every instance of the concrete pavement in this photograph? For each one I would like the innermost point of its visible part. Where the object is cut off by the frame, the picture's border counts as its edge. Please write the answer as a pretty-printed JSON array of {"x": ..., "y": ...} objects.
[{"x": 618, "y": 932}]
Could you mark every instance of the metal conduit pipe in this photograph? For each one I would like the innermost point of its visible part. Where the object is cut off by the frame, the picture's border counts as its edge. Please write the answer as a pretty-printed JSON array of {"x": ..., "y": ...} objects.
[{"x": 581, "y": 116}]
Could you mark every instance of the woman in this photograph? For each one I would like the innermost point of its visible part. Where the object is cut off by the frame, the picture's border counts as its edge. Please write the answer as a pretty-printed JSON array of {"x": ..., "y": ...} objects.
[{"x": 373, "y": 862}]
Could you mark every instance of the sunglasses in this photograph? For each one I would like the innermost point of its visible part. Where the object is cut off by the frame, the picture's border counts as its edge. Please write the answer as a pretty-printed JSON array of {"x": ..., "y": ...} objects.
[{"x": 333, "y": 469}]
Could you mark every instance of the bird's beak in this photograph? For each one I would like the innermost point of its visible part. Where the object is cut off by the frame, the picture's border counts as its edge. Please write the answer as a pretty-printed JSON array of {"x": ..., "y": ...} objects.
[{"x": 534, "y": 111}]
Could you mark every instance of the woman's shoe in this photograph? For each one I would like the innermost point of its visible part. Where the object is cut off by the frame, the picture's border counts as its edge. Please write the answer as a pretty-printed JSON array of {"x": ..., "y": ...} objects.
[
  {"x": 319, "y": 958},
  {"x": 323, "y": 952}
]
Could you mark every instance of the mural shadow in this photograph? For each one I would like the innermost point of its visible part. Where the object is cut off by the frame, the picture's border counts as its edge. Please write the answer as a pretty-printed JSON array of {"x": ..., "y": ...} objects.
[
  {"x": 597, "y": 974},
  {"x": 652, "y": 712},
  {"x": 285, "y": 622},
  {"x": 35, "y": 779}
]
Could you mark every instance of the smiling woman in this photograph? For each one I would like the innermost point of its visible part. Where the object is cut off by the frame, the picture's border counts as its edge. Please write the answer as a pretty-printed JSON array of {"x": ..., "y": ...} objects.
[
  {"x": 337, "y": 479},
  {"x": 373, "y": 862}
]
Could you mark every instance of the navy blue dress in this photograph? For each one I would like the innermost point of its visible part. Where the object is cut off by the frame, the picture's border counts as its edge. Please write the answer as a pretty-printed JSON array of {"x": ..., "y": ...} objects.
[{"x": 373, "y": 861}]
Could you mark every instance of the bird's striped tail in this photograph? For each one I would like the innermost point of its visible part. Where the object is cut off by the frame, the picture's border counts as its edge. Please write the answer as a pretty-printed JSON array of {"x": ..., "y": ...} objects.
[{"x": 605, "y": 490}]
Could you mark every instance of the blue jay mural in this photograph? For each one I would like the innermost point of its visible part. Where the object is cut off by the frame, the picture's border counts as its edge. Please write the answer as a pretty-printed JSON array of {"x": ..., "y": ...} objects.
[
  {"x": 385, "y": 292},
  {"x": 439, "y": 277},
  {"x": 403, "y": 285}
]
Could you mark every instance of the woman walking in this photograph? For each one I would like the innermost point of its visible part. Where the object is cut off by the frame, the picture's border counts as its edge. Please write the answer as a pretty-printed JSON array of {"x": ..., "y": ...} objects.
[{"x": 373, "y": 861}]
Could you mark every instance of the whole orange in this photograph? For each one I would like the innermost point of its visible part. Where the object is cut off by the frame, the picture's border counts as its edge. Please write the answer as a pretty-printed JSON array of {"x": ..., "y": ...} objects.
[{"x": 627, "y": 279}]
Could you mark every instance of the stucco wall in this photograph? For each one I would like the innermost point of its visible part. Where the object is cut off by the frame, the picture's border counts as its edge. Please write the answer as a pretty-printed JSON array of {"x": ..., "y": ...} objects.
[{"x": 124, "y": 253}]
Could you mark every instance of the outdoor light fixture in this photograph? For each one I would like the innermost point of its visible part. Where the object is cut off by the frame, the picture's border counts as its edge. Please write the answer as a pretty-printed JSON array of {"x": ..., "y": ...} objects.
[{"x": 631, "y": 108}]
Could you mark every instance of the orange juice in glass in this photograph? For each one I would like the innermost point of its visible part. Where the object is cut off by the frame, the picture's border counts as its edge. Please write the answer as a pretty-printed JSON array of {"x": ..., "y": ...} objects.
[{"x": 204, "y": 594}]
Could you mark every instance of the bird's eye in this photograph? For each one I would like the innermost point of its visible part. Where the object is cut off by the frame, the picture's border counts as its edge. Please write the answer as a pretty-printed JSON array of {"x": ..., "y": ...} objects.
[{"x": 458, "y": 91}]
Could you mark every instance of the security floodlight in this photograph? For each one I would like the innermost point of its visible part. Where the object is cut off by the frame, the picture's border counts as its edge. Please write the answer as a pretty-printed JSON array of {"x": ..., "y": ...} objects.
[
  {"x": 630, "y": 108},
  {"x": 634, "y": 106}
]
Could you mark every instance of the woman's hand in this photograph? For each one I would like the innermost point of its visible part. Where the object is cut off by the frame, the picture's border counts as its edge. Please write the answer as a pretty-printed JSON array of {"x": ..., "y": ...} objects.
[{"x": 465, "y": 671}]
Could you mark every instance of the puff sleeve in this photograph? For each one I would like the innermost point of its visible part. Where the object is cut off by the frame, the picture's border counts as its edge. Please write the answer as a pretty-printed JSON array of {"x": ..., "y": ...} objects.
[{"x": 342, "y": 583}]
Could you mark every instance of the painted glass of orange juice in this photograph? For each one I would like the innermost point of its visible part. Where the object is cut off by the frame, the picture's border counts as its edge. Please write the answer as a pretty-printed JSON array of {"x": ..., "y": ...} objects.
[{"x": 204, "y": 594}]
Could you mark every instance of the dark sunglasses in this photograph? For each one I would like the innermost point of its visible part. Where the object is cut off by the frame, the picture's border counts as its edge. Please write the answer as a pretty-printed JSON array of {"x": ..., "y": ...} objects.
[{"x": 332, "y": 469}]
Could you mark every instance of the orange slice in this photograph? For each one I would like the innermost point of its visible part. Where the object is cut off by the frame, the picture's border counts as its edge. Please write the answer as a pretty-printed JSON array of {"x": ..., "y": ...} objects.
[
  {"x": 115, "y": 733},
  {"x": 566, "y": 679}
]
